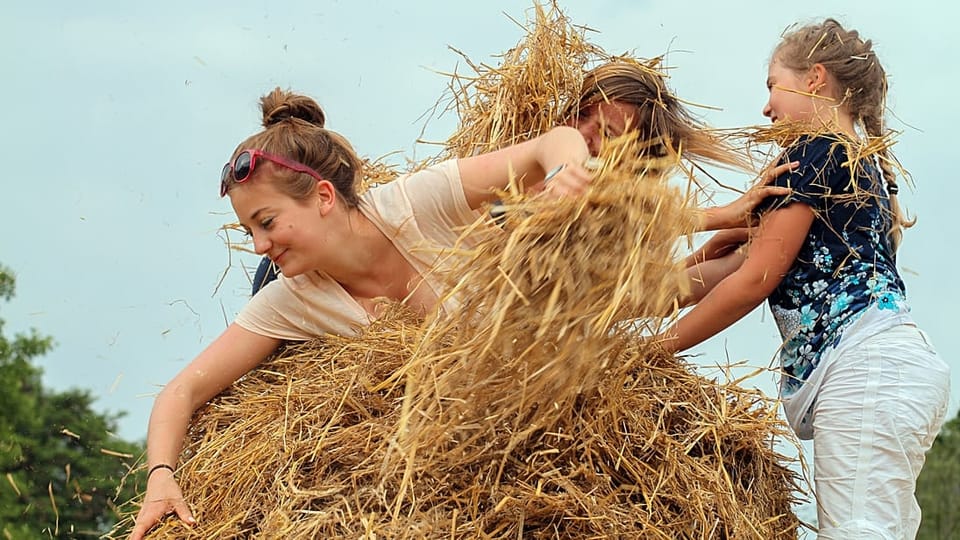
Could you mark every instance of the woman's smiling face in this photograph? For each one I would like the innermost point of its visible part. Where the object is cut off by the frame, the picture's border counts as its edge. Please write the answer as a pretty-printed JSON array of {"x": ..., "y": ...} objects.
[
  {"x": 284, "y": 229},
  {"x": 789, "y": 94}
]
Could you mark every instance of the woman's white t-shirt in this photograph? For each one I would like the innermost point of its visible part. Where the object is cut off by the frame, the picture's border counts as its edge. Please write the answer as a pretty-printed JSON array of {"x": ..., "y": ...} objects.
[{"x": 423, "y": 214}]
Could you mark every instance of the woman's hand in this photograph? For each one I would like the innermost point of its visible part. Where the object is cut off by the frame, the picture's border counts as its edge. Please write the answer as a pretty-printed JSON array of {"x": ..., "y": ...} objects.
[
  {"x": 739, "y": 213},
  {"x": 566, "y": 180},
  {"x": 163, "y": 497}
]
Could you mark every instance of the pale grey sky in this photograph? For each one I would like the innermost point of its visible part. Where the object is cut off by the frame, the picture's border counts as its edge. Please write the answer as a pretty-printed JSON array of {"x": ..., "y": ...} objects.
[{"x": 118, "y": 117}]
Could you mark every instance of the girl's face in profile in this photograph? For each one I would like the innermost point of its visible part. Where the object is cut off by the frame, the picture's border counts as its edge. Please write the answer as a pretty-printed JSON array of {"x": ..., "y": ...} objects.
[{"x": 790, "y": 94}]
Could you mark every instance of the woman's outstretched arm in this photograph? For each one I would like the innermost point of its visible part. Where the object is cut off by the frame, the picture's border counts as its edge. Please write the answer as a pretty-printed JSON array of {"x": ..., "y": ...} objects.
[
  {"x": 771, "y": 254},
  {"x": 228, "y": 358},
  {"x": 561, "y": 151}
]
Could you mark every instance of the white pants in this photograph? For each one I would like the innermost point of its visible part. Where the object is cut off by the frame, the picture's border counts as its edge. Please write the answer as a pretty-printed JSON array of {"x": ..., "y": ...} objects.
[{"x": 880, "y": 406}]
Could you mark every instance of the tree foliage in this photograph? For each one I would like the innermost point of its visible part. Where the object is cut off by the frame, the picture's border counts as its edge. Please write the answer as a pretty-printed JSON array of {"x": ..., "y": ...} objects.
[
  {"x": 938, "y": 488},
  {"x": 61, "y": 469}
]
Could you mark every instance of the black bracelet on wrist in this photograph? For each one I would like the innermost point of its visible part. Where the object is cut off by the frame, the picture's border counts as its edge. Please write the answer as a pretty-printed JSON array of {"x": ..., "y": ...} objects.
[{"x": 160, "y": 466}]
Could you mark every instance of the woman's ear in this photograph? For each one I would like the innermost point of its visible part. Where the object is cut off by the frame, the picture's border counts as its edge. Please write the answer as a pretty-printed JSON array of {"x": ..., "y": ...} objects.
[
  {"x": 326, "y": 196},
  {"x": 816, "y": 78}
]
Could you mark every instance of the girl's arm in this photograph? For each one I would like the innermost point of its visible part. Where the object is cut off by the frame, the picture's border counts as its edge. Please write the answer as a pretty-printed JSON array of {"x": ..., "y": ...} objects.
[
  {"x": 228, "y": 358},
  {"x": 703, "y": 277},
  {"x": 770, "y": 255},
  {"x": 719, "y": 245},
  {"x": 529, "y": 162}
]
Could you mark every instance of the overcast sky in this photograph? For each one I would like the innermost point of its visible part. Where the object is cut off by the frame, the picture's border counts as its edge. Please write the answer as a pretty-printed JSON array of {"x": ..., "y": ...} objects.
[{"x": 119, "y": 115}]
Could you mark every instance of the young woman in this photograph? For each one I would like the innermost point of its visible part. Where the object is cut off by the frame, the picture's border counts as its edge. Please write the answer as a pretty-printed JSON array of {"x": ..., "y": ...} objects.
[{"x": 859, "y": 377}]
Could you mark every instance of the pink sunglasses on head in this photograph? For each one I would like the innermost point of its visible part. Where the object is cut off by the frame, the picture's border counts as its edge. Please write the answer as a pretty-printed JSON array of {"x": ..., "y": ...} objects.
[{"x": 242, "y": 167}]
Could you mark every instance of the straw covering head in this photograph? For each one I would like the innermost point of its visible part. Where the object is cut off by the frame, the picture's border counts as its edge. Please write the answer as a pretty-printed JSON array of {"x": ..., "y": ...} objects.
[{"x": 625, "y": 94}]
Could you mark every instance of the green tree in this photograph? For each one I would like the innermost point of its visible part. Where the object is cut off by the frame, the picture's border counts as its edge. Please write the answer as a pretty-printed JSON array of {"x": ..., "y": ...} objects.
[
  {"x": 61, "y": 469},
  {"x": 938, "y": 488}
]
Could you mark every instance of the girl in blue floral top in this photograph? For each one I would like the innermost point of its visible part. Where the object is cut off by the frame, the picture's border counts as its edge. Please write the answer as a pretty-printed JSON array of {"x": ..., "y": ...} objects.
[{"x": 859, "y": 377}]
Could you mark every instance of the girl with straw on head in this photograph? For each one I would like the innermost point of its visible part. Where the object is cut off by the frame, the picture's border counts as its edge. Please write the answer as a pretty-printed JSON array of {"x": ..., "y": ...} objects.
[
  {"x": 859, "y": 377},
  {"x": 293, "y": 188},
  {"x": 624, "y": 95}
]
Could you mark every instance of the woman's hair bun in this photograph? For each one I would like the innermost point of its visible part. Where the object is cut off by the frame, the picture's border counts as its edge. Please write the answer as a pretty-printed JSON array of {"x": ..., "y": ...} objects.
[{"x": 280, "y": 105}]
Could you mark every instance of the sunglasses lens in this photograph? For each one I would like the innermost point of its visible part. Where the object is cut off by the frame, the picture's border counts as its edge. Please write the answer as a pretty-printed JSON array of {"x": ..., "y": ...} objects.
[
  {"x": 241, "y": 167},
  {"x": 224, "y": 176}
]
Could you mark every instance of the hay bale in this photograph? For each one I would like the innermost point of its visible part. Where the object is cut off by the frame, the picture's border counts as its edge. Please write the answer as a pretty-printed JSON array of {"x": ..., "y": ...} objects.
[{"x": 656, "y": 453}]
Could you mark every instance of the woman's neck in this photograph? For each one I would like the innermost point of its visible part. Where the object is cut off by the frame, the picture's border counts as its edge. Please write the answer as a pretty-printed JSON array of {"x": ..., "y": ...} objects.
[
  {"x": 371, "y": 265},
  {"x": 837, "y": 120}
]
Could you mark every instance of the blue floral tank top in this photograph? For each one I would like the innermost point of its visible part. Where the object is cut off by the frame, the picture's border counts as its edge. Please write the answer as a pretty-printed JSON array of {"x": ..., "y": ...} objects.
[{"x": 847, "y": 262}]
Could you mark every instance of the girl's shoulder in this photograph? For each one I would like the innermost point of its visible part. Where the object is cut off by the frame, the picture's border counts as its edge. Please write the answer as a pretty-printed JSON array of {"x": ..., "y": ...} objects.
[
  {"x": 830, "y": 158},
  {"x": 808, "y": 148},
  {"x": 824, "y": 170}
]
